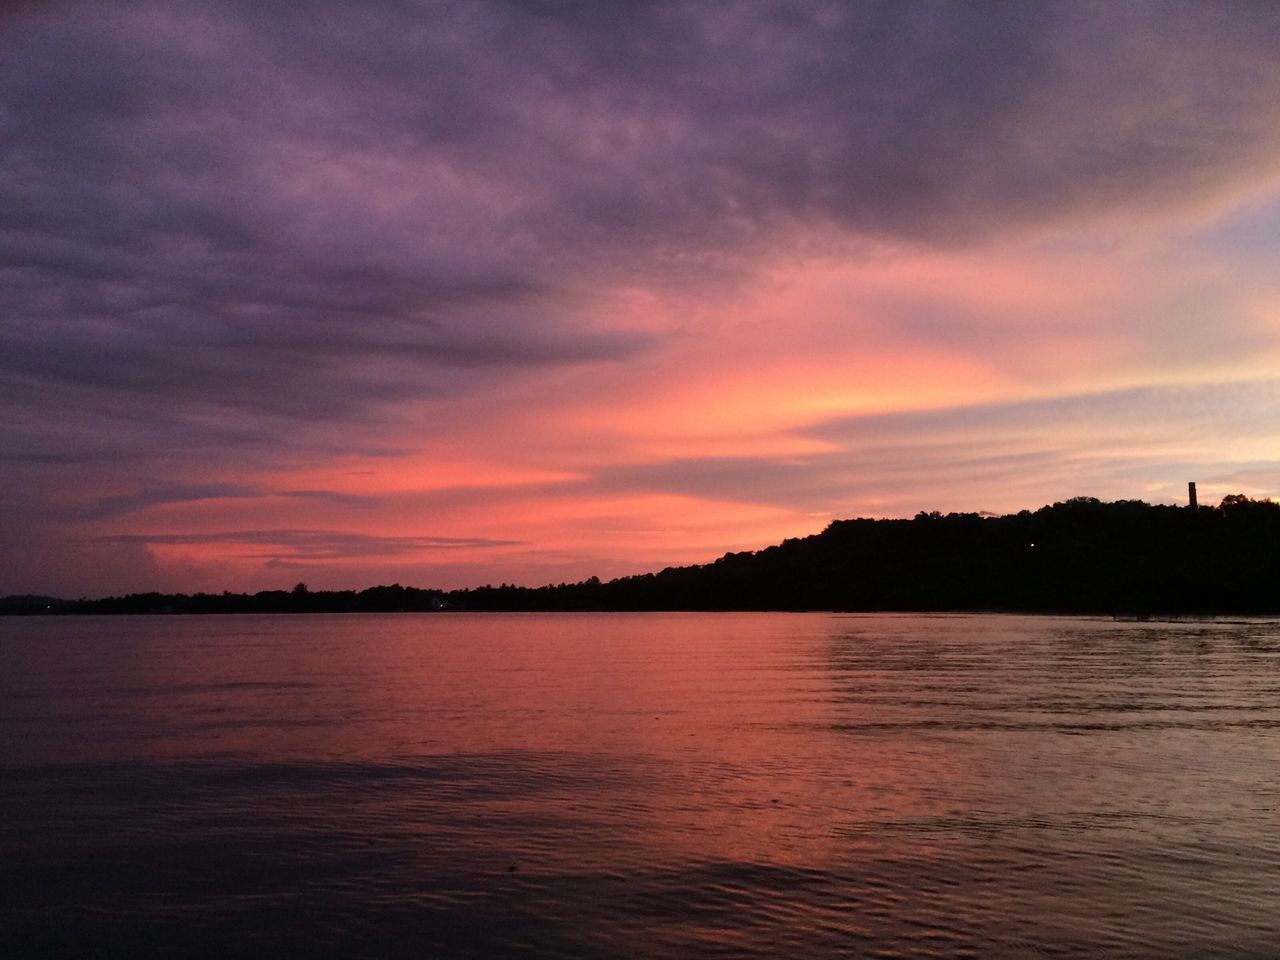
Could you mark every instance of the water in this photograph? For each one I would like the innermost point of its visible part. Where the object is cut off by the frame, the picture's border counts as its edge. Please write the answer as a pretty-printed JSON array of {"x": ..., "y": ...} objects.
[{"x": 639, "y": 786}]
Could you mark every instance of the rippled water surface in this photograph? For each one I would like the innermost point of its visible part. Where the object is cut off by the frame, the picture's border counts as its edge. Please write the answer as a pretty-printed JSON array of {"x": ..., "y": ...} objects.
[{"x": 653, "y": 785}]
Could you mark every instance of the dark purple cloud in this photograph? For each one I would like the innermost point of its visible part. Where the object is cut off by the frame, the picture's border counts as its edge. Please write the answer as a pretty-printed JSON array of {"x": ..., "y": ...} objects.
[
  {"x": 224, "y": 219},
  {"x": 154, "y": 496},
  {"x": 311, "y": 544},
  {"x": 159, "y": 495}
]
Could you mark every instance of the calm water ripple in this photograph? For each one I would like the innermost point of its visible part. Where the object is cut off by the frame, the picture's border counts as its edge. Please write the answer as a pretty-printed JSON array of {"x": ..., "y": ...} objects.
[{"x": 639, "y": 786}]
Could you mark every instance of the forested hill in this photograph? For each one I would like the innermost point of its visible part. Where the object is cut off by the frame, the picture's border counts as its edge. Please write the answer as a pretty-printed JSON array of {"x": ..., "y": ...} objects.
[{"x": 1081, "y": 556}]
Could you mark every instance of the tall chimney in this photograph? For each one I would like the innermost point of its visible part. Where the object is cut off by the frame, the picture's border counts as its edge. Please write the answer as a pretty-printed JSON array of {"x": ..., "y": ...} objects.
[{"x": 1191, "y": 495}]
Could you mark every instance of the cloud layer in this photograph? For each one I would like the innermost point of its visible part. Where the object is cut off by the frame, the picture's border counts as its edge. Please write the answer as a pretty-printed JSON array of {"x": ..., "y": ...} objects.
[{"x": 242, "y": 241}]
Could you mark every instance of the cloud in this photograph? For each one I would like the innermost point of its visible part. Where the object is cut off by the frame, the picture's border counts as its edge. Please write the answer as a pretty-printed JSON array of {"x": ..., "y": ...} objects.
[
  {"x": 175, "y": 493},
  {"x": 147, "y": 497},
  {"x": 1007, "y": 455},
  {"x": 332, "y": 496},
  {"x": 35, "y": 562},
  {"x": 1189, "y": 412},
  {"x": 290, "y": 545},
  {"x": 829, "y": 483},
  {"x": 228, "y": 219}
]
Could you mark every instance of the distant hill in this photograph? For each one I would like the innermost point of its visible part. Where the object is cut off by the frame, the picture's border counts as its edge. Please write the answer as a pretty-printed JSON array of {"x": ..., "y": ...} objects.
[
  {"x": 1079, "y": 556},
  {"x": 25, "y": 603}
]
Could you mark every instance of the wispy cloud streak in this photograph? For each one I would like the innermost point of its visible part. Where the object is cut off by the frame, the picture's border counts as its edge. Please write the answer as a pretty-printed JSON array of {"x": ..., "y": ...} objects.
[{"x": 313, "y": 544}]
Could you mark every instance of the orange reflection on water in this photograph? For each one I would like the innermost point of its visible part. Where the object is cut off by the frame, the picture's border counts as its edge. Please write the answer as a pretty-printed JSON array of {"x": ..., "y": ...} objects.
[{"x": 722, "y": 731}]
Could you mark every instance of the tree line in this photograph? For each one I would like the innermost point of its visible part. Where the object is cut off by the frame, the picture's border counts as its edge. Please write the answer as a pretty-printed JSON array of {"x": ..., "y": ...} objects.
[{"x": 1079, "y": 556}]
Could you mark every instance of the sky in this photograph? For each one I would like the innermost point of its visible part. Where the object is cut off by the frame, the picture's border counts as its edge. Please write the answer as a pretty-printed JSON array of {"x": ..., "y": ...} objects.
[{"x": 457, "y": 293}]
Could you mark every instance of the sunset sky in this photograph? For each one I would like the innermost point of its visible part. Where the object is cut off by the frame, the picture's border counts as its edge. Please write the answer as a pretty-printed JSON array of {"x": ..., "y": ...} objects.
[{"x": 457, "y": 293}]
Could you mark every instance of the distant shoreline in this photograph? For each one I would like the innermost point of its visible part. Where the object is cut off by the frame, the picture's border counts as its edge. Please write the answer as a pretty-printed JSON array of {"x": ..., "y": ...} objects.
[
  {"x": 1126, "y": 559},
  {"x": 1155, "y": 618}
]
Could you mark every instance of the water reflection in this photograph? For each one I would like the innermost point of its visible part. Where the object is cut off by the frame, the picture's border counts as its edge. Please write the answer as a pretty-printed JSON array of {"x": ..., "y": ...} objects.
[{"x": 658, "y": 785}]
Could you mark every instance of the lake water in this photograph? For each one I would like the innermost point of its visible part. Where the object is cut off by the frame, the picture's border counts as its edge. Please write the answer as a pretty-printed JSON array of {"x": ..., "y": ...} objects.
[{"x": 652, "y": 785}]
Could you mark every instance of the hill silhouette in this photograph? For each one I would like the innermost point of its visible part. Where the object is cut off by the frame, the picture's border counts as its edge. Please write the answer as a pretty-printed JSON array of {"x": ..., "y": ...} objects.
[{"x": 1078, "y": 556}]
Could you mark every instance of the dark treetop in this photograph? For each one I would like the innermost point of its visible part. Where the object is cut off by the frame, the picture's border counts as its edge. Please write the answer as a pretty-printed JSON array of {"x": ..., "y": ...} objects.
[{"x": 1080, "y": 556}]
